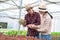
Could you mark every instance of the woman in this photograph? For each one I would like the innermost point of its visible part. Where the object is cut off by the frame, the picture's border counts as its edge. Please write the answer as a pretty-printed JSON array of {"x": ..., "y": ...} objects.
[{"x": 45, "y": 28}]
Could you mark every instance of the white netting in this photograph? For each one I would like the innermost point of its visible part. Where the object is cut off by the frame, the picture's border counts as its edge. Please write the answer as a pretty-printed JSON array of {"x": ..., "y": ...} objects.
[
  {"x": 3, "y": 1},
  {"x": 54, "y": 0}
]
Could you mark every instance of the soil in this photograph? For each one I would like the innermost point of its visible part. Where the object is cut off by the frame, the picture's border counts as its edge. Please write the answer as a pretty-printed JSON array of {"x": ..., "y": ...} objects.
[{"x": 22, "y": 37}]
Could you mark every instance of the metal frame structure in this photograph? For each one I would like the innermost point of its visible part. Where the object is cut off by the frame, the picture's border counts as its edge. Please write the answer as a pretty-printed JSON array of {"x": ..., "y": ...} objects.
[{"x": 20, "y": 7}]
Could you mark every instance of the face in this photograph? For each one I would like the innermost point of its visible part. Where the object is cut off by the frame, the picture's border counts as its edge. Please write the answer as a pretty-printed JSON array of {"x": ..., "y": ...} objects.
[
  {"x": 30, "y": 11},
  {"x": 41, "y": 12}
]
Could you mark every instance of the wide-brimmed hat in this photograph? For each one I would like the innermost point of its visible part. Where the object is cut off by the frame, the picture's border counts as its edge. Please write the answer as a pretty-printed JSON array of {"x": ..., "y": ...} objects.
[
  {"x": 42, "y": 7},
  {"x": 27, "y": 7}
]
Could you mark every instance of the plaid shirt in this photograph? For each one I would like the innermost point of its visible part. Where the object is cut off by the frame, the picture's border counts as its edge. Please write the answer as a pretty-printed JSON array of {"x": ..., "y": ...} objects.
[{"x": 34, "y": 19}]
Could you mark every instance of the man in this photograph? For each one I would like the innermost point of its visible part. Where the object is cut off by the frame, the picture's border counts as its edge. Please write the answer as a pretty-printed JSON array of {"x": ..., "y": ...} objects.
[
  {"x": 45, "y": 28},
  {"x": 32, "y": 20}
]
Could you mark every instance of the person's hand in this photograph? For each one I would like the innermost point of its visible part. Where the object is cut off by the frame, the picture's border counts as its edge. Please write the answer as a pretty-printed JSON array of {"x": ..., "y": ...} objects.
[
  {"x": 29, "y": 25},
  {"x": 42, "y": 30},
  {"x": 34, "y": 26}
]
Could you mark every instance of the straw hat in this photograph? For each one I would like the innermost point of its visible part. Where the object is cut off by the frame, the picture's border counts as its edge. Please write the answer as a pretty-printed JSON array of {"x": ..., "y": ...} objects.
[
  {"x": 42, "y": 7},
  {"x": 27, "y": 7}
]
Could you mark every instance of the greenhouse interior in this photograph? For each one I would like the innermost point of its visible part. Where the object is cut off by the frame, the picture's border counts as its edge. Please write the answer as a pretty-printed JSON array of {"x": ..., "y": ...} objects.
[{"x": 11, "y": 11}]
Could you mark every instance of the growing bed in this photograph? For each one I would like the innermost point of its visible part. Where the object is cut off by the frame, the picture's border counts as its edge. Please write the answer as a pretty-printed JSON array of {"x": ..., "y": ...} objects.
[{"x": 21, "y": 35}]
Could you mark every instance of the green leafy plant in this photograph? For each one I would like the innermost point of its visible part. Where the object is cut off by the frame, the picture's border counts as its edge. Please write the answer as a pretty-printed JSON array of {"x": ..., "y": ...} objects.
[
  {"x": 55, "y": 33},
  {"x": 12, "y": 32},
  {"x": 23, "y": 32}
]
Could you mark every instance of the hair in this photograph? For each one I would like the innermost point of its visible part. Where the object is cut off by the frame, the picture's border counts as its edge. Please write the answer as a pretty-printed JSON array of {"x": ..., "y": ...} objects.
[
  {"x": 29, "y": 8},
  {"x": 50, "y": 15}
]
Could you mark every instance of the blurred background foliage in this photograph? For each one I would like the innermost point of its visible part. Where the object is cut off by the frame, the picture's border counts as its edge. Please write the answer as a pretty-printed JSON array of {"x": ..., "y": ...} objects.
[{"x": 23, "y": 32}]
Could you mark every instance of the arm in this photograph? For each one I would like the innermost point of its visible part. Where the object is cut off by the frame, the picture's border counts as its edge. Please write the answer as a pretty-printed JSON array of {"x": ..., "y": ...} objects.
[
  {"x": 45, "y": 26},
  {"x": 37, "y": 24},
  {"x": 25, "y": 20},
  {"x": 38, "y": 20},
  {"x": 26, "y": 24}
]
